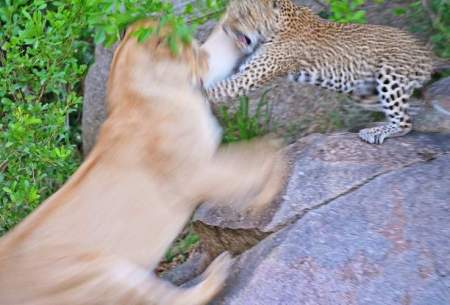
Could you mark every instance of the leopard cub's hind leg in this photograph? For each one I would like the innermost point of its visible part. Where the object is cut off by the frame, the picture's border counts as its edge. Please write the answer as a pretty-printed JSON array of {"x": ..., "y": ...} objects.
[{"x": 393, "y": 91}]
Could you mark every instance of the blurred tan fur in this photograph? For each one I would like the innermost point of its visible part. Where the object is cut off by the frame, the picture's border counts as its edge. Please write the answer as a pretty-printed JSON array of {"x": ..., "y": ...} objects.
[{"x": 96, "y": 239}]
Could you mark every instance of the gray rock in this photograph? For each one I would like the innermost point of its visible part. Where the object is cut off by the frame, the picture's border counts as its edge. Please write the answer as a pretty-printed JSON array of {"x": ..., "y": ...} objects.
[
  {"x": 438, "y": 94},
  {"x": 188, "y": 270},
  {"x": 94, "y": 107},
  {"x": 322, "y": 168},
  {"x": 432, "y": 118},
  {"x": 297, "y": 110},
  {"x": 384, "y": 242},
  {"x": 440, "y": 89},
  {"x": 382, "y": 13},
  {"x": 435, "y": 114}
]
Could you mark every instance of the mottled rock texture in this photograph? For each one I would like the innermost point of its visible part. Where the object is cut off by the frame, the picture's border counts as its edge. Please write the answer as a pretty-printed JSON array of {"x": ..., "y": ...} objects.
[
  {"x": 94, "y": 105},
  {"x": 434, "y": 115},
  {"x": 358, "y": 232},
  {"x": 322, "y": 169}
]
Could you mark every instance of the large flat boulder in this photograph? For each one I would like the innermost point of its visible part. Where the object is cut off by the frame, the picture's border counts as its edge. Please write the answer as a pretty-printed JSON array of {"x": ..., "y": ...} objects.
[
  {"x": 435, "y": 114},
  {"x": 323, "y": 168},
  {"x": 384, "y": 241}
]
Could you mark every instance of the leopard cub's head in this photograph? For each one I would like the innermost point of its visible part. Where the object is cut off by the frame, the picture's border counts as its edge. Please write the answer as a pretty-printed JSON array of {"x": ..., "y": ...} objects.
[
  {"x": 244, "y": 26},
  {"x": 249, "y": 23}
]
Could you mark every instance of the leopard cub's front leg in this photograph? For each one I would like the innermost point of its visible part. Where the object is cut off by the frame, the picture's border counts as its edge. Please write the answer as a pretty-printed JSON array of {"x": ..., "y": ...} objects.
[{"x": 260, "y": 68}]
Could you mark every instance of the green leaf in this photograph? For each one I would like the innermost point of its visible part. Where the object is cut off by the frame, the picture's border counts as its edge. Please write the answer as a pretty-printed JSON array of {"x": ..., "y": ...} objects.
[
  {"x": 26, "y": 14},
  {"x": 172, "y": 42},
  {"x": 189, "y": 9},
  {"x": 100, "y": 37},
  {"x": 143, "y": 34},
  {"x": 398, "y": 11},
  {"x": 359, "y": 16}
]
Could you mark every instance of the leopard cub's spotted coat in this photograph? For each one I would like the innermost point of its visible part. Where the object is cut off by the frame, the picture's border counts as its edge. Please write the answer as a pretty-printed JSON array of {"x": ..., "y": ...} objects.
[{"x": 369, "y": 62}]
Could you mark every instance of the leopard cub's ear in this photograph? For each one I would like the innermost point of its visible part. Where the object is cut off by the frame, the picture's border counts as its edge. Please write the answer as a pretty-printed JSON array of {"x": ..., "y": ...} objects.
[{"x": 275, "y": 4}]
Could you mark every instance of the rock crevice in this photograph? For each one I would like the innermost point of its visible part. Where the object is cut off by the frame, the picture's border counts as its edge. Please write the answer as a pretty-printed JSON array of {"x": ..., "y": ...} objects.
[
  {"x": 385, "y": 243},
  {"x": 323, "y": 170}
]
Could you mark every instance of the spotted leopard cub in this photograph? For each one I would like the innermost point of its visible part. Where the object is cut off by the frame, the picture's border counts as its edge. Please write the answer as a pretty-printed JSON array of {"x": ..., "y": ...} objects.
[{"x": 369, "y": 62}]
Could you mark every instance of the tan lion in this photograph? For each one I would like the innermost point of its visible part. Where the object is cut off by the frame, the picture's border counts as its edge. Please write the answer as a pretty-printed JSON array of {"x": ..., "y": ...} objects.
[{"x": 157, "y": 157}]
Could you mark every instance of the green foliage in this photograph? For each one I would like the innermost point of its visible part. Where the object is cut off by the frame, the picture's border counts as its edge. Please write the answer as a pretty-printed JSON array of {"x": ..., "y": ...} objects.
[
  {"x": 109, "y": 18},
  {"x": 347, "y": 11},
  {"x": 241, "y": 124},
  {"x": 37, "y": 154},
  {"x": 183, "y": 246},
  {"x": 45, "y": 49},
  {"x": 43, "y": 57},
  {"x": 433, "y": 18},
  {"x": 200, "y": 11}
]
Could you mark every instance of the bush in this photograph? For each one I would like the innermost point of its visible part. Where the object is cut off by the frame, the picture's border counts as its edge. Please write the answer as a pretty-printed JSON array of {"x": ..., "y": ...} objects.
[
  {"x": 346, "y": 11},
  {"x": 43, "y": 58},
  {"x": 433, "y": 18},
  {"x": 45, "y": 49}
]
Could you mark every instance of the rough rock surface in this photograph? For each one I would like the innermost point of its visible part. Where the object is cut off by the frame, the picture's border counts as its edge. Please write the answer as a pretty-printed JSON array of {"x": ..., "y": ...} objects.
[
  {"x": 357, "y": 224},
  {"x": 385, "y": 243},
  {"x": 188, "y": 270},
  {"x": 438, "y": 95},
  {"x": 439, "y": 90},
  {"x": 322, "y": 169},
  {"x": 94, "y": 108},
  {"x": 435, "y": 114},
  {"x": 382, "y": 13}
]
